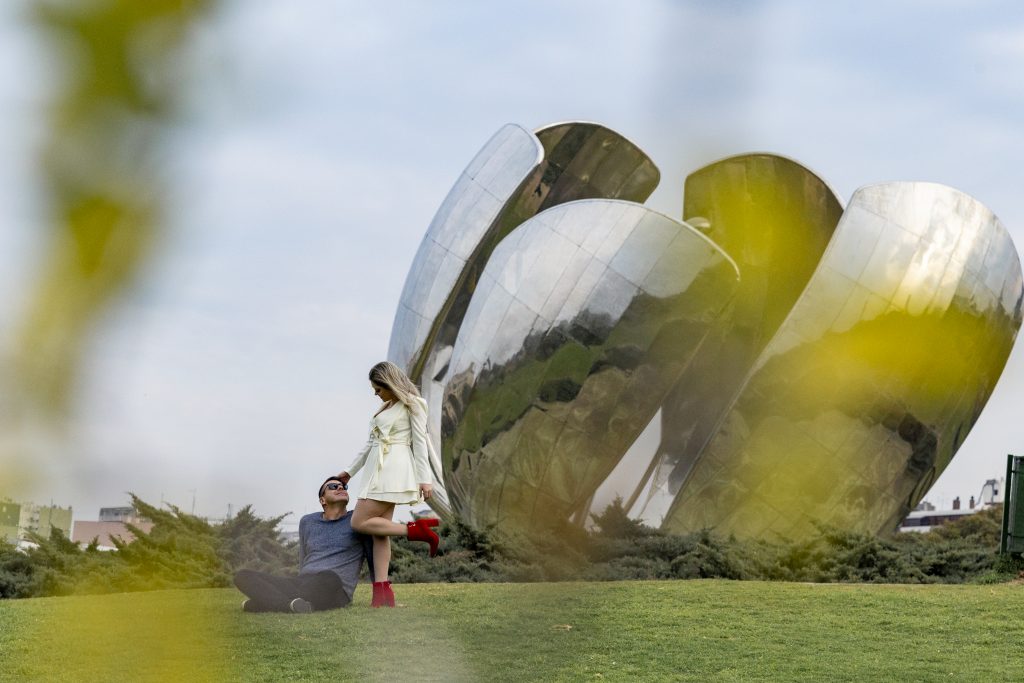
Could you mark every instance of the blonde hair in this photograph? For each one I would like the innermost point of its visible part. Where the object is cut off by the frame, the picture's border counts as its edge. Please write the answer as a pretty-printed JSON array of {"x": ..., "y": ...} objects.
[{"x": 391, "y": 377}]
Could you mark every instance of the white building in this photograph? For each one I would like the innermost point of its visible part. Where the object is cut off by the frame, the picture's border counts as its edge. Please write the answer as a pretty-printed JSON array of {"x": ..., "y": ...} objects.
[{"x": 925, "y": 517}]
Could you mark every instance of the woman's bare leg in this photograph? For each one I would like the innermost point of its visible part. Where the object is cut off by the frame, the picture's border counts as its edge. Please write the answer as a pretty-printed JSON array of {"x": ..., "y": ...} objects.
[{"x": 374, "y": 517}]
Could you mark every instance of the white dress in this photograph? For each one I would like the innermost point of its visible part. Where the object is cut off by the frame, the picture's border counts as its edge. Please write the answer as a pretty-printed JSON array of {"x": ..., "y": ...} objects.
[{"x": 396, "y": 455}]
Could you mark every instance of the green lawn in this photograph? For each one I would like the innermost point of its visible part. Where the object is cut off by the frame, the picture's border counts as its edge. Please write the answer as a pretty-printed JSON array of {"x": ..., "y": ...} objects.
[{"x": 624, "y": 631}]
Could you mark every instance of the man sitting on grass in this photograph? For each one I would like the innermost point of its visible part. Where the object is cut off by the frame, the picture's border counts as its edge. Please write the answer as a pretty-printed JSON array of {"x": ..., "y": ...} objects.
[{"x": 330, "y": 557}]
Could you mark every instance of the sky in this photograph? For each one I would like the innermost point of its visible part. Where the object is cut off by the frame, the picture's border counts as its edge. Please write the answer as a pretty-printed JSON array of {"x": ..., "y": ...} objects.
[{"x": 318, "y": 138}]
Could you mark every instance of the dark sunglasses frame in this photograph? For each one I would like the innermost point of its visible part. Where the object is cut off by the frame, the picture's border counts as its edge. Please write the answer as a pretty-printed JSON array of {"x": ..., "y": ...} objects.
[{"x": 334, "y": 486}]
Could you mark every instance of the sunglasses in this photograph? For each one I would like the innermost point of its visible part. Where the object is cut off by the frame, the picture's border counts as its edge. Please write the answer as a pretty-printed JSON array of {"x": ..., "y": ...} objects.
[{"x": 334, "y": 486}]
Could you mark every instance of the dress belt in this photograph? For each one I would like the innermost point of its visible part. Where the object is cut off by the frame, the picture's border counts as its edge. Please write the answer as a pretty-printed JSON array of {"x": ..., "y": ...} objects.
[{"x": 384, "y": 444}]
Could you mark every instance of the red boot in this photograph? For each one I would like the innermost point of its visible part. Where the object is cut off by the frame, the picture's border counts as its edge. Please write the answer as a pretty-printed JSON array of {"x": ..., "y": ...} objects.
[
  {"x": 382, "y": 595},
  {"x": 420, "y": 531}
]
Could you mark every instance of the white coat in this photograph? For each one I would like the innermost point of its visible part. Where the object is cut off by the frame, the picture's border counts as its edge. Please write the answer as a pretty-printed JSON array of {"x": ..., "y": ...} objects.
[{"x": 396, "y": 455}]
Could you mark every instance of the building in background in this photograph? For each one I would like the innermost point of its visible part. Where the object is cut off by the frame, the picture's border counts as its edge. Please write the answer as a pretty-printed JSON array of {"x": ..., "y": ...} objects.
[
  {"x": 119, "y": 514},
  {"x": 18, "y": 520},
  {"x": 10, "y": 515},
  {"x": 925, "y": 516},
  {"x": 39, "y": 519},
  {"x": 112, "y": 524}
]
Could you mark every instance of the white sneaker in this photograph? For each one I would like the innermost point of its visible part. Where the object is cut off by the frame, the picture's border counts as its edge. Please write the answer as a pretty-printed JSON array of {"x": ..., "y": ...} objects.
[{"x": 300, "y": 606}]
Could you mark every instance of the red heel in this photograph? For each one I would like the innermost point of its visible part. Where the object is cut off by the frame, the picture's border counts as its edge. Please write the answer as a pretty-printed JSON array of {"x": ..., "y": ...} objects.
[
  {"x": 378, "y": 594},
  {"x": 420, "y": 531},
  {"x": 383, "y": 596}
]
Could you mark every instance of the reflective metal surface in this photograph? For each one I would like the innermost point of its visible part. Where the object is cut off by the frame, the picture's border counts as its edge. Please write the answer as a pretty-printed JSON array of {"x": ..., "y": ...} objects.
[
  {"x": 807, "y": 365},
  {"x": 456, "y": 247},
  {"x": 465, "y": 219},
  {"x": 775, "y": 218},
  {"x": 874, "y": 379},
  {"x": 582, "y": 321},
  {"x": 516, "y": 175}
]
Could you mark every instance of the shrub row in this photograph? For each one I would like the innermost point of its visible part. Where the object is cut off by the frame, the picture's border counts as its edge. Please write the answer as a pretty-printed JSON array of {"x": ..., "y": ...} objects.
[
  {"x": 183, "y": 551},
  {"x": 620, "y": 548},
  {"x": 180, "y": 551}
]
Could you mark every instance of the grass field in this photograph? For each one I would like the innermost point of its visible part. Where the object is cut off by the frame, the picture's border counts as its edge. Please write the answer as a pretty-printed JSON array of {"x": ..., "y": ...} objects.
[{"x": 622, "y": 631}]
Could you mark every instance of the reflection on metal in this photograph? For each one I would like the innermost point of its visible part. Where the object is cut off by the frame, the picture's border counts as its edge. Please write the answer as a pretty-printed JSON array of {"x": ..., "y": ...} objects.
[
  {"x": 871, "y": 384},
  {"x": 516, "y": 175},
  {"x": 808, "y": 364},
  {"x": 583, "y": 320},
  {"x": 775, "y": 218}
]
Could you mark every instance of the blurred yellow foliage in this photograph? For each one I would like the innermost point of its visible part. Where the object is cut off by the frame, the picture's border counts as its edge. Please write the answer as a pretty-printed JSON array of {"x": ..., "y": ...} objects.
[{"x": 122, "y": 73}]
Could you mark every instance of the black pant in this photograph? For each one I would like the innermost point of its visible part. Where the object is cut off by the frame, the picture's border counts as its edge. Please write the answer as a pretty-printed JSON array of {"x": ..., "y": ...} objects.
[{"x": 269, "y": 593}]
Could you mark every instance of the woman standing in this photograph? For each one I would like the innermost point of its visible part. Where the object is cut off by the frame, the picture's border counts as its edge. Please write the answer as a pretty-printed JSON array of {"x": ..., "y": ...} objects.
[{"x": 397, "y": 457}]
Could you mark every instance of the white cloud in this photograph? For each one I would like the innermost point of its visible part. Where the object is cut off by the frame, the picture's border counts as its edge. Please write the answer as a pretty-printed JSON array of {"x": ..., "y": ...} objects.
[{"x": 321, "y": 142}]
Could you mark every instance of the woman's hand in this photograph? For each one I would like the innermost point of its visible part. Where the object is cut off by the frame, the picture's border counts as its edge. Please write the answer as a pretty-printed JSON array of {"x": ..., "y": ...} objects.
[
  {"x": 344, "y": 477},
  {"x": 426, "y": 490}
]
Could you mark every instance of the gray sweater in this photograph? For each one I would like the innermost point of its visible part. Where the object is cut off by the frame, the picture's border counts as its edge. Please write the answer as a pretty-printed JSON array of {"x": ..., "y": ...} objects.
[{"x": 331, "y": 545}]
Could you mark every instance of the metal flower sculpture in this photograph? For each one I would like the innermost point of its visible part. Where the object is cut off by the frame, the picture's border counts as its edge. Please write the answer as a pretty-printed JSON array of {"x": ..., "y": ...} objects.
[{"x": 803, "y": 363}]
